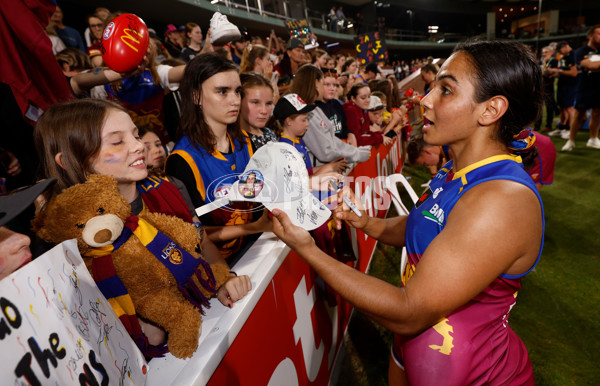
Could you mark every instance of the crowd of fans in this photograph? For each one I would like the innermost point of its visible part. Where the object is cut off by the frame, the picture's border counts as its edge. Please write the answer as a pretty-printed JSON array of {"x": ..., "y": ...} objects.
[
  {"x": 202, "y": 109},
  {"x": 192, "y": 112},
  {"x": 357, "y": 105}
]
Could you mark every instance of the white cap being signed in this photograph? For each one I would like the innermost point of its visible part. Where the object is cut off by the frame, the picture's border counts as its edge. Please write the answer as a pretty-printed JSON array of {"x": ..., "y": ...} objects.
[{"x": 276, "y": 176}]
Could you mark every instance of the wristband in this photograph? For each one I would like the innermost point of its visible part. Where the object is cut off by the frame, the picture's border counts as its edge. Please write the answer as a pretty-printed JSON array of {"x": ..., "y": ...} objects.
[{"x": 233, "y": 273}]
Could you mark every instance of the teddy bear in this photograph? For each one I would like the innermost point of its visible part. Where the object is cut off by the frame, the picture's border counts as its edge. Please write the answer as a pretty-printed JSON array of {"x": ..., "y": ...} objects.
[{"x": 156, "y": 257}]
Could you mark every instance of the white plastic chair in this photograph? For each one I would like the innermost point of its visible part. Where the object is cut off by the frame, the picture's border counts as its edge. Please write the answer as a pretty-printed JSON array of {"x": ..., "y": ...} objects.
[{"x": 391, "y": 185}]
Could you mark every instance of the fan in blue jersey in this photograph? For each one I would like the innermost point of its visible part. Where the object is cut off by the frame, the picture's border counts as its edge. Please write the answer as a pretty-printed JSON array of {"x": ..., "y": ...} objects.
[{"x": 213, "y": 150}]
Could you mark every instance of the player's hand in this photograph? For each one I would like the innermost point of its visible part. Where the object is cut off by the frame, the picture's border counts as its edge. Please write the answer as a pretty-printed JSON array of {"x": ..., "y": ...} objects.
[
  {"x": 294, "y": 236},
  {"x": 343, "y": 212}
]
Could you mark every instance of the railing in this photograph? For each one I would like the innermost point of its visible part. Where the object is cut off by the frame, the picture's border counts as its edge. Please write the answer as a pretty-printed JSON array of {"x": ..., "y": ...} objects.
[
  {"x": 348, "y": 26},
  {"x": 244, "y": 5}
]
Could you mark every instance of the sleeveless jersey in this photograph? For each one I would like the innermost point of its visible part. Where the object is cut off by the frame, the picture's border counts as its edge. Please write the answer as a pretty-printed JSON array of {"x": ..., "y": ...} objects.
[
  {"x": 473, "y": 344},
  {"x": 214, "y": 174}
]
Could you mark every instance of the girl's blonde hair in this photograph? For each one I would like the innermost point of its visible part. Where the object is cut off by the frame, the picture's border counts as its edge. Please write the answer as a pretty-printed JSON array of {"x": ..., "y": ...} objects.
[{"x": 249, "y": 56}]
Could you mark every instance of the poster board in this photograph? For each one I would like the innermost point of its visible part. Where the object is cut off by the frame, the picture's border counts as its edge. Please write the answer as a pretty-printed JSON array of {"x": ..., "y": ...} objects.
[
  {"x": 57, "y": 328},
  {"x": 301, "y": 30},
  {"x": 370, "y": 47}
]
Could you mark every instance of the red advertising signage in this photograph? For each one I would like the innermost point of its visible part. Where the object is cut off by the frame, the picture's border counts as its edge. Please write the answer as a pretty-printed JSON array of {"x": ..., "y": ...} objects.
[{"x": 295, "y": 330}]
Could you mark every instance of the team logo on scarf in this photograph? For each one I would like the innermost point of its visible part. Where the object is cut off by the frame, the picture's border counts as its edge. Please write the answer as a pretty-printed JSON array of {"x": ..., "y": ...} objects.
[{"x": 172, "y": 253}]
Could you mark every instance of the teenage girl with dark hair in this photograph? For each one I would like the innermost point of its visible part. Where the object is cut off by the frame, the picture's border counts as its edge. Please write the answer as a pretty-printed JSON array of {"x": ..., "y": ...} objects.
[
  {"x": 213, "y": 150},
  {"x": 472, "y": 236}
]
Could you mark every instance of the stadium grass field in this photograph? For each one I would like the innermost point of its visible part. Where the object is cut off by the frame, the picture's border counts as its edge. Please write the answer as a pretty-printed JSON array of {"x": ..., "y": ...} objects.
[{"x": 558, "y": 307}]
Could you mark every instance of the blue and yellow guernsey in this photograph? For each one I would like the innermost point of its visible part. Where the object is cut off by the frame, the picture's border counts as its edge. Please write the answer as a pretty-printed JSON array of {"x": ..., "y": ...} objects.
[
  {"x": 462, "y": 347},
  {"x": 214, "y": 174}
]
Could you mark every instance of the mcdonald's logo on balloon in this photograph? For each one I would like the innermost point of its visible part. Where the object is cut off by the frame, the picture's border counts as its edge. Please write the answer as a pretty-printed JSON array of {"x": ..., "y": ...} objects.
[{"x": 124, "y": 42}]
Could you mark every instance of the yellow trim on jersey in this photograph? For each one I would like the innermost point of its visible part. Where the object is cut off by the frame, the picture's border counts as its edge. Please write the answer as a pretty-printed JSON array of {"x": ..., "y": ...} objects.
[
  {"x": 462, "y": 174},
  {"x": 291, "y": 139},
  {"x": 190, "y": 161},
  {"x": 218, "y": 155}
]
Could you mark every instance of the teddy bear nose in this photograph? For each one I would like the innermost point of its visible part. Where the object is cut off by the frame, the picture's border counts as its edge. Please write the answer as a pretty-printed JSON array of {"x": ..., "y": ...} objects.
[
  {"x": 102, "y": 230},
  {"x": 102, "y": 236}
]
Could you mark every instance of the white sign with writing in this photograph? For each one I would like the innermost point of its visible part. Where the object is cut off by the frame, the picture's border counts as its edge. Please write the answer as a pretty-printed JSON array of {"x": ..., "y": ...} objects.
[{"x": 56, "y": 327}]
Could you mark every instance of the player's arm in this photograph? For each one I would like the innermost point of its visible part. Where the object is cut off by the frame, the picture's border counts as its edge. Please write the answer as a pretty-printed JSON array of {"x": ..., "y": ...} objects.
[{"x": 460, "y": 262}]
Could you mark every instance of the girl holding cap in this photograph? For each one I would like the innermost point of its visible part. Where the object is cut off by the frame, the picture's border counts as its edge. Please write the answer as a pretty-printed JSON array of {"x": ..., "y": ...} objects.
[
  {"x": 213, "y": 150},
  {"x": 472, "y": 236},
  {"x": 320, "y": 138},
  {"x": 291, "y": 114}
]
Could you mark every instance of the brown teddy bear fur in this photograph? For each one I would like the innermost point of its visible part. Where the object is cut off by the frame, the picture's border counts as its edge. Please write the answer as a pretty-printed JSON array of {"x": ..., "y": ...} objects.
[{"x": 152, "y": 287}]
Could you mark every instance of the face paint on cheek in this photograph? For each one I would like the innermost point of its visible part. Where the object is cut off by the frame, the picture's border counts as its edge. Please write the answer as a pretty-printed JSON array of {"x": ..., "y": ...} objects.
[{"x": 110, "y": 158}]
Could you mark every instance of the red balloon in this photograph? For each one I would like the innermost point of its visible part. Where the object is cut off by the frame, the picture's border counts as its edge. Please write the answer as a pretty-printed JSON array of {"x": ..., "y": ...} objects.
[{"x": 124, "y": 42}]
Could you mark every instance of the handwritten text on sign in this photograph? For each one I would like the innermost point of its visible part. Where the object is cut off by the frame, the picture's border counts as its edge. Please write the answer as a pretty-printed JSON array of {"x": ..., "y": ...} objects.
[{"x": 57, "y": 328}]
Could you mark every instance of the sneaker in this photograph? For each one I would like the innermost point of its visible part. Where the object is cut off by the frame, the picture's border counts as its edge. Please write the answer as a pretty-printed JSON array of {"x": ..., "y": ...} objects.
[
  {"x": 570, "y": 145},
  {"x": 565, "y": 134},
  {"x": 593, "y": 143},
  {"x": 555, "y": 133},
  {"x": 222, "y": 31}
]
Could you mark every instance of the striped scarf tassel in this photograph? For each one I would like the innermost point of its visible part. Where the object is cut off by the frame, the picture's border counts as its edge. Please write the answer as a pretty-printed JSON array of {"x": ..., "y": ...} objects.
[{"x": 190, "y": 290}]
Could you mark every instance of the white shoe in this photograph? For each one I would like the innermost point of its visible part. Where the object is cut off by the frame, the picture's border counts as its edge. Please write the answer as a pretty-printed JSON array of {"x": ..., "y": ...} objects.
[
  {"x": 222, "y": 31},
  {"x": 565, "y": 134},
  {"x": 593, "y": 143},
  {"x": 570, "y": 145},
  {"x": 555, "y": 133}
]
